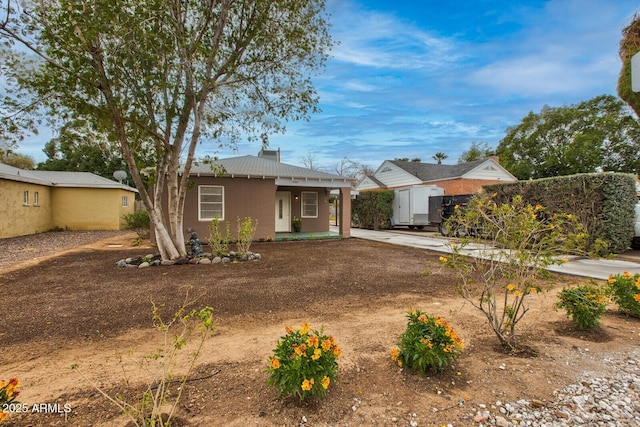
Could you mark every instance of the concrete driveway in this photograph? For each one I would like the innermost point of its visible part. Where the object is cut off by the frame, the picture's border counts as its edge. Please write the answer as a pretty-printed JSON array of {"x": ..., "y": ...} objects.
[{"x": 577, "y": 266}]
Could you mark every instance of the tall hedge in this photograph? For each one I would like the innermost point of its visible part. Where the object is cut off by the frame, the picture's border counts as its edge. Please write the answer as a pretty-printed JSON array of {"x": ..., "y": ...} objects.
[
  {"x": 372, "y": 209},
  {"x": 604, "y": 202}
]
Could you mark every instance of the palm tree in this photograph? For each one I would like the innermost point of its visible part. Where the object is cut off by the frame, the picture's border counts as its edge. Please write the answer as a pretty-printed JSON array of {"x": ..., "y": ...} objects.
[{"x": 439, "y": 157}]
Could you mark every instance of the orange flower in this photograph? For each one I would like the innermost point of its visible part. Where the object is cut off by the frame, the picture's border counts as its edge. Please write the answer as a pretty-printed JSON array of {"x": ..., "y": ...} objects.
[
  {"x": 316, "y": 354},
  {"x": 336, "y": 351},
  {"x": 304, "y": 328},
  {"x": 313, "y": 341},
  {"x": 611, "y": 279},
  {"x": 326, "y": 345},
  {"x": 626, "y": 275},
  {"x": 288, "y": 329},
  {"x": 637, "y": 297},
  {"x": 3, "y": 416},
  {"x": 325, "y": 382},
  {"x": 394, "y": 354},
  {"x": 307, "y": 384},
  {"x": 275, "y": 363}
]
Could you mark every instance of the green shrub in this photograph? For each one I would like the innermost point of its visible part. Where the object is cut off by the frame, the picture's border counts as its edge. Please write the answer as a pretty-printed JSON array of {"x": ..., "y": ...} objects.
[
  {"x": 372, "y": 209},
  {"x": 246, "y": 232},
  {"x": 428, "y": 343},
  {"x": 584, "y": 304},
  {"x": 625, "y": 292},
  {"x": 139, "y": 222},
  {"x": 218, "y": 240},
  {"x": 304, "y": 363},
  {"x": 604, "y": 203}
]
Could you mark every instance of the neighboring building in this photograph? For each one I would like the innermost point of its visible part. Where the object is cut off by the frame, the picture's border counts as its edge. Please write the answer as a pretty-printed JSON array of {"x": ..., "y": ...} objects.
[
  {"x": 266, "y": 190},
  {"x": 37, "y": 201},
  {"x": 465, "y": 178}
]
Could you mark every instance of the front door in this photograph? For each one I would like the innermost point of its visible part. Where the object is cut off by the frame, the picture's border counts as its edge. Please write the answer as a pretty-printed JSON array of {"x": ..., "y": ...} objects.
[{"x": 283, "y": 211}]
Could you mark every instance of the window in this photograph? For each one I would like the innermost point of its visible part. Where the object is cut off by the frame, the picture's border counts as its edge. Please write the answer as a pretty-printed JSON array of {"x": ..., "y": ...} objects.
[
  {"x": 125, "y": 201},
  {"x": 25, "y": 196},
  {"x": 36, "y": 199},
  {"x": 309, "y": 204},
  {"x": 211, "y": 202}
]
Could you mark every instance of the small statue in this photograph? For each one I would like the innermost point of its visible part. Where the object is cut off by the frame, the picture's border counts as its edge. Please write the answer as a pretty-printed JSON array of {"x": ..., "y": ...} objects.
[{"x": 196, "y": 245}]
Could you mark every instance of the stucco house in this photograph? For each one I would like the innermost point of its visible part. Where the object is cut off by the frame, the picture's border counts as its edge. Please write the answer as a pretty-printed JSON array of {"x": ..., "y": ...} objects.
[
  {"x": 465, "y": 178},
  {"x": 267, "y": 190},
  {"x": 37, "y": 201}
]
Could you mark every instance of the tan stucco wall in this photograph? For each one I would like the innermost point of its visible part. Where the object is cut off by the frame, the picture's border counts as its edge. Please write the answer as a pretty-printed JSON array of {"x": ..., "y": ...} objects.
[
  {"x": 89, "y": 208},
  {"x": 16, "y": 219}
]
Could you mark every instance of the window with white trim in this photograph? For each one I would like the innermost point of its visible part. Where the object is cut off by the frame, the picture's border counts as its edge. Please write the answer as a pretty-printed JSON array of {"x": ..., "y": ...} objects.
[
  {"x": 36, "y": 199},
  {"x": 309, "y": 204},
  {"x": 25, "y": 198},
  {"x": 210, "y": 202},
  {"x": 125, "y": 201}
]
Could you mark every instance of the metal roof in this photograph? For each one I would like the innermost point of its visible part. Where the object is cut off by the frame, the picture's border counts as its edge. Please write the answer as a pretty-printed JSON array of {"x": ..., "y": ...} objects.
[
  {"x": 260, "y": 167},
  {"x": 60, "y": 178}
]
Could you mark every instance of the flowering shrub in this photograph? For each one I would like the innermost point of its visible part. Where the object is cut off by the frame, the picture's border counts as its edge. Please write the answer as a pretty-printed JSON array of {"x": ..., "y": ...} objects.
[
  {"x": 8, "y": 395},
  {"x": 428, "y": 343},
  {"x": 584, "y": 304},
  {"x": 513, "y": 244},
  {"x": 625, "y": 291},
  {"x": 303, "y": 363}
]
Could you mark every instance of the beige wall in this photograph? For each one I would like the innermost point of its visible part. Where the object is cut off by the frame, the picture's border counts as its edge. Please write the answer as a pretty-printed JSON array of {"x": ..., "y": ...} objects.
[
  {"x": 90, "y": 208},
  {"x": 16, "y": 219}
]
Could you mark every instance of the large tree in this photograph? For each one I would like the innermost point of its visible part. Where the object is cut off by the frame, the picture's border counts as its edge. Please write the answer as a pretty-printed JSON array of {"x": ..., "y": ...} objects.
[
  {"x": 168, "y": 74},
  {"x": 79, "y": 148},
  {"x": 629, "y": 46},
  {"x": 600, "y": 134},
  {"x": 477, "y": 151}
]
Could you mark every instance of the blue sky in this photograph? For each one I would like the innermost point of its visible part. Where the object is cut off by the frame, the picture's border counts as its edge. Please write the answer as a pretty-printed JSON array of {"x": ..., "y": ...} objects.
[{"x": 413, "y": 78}]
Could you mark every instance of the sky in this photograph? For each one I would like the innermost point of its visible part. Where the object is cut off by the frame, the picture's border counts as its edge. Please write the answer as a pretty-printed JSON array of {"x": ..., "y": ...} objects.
[{"x": 414, "y": 78}]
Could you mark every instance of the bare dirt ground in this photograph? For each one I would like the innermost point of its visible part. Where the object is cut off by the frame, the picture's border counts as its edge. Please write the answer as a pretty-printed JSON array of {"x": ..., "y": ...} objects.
[{"x": 77, "y": 307}]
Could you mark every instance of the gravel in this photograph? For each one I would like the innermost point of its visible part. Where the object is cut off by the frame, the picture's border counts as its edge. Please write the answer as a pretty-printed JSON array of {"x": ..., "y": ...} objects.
[
  {"x": 612, "y": 400},
  {"x": 15, "y": 250}
]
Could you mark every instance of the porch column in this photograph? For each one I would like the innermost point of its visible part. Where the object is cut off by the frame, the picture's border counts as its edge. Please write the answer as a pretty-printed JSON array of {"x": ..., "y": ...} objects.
[{"x": 344, "y": 227}]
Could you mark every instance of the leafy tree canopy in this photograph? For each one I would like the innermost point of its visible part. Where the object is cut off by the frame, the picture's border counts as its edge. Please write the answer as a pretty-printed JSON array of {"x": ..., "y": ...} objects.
[
  {"x": 16, "y": 160},
  {"x": 477, "y": 151},
  {"x": 629, "y": 46},
  {"x": 600, "y": 134},
  {"x": 78, "y": 148},
  {"x": 163, "y": 75}
]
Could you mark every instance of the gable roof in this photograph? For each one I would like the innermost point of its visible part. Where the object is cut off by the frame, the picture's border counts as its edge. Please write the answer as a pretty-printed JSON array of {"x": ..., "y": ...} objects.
[
  {"x": 398, "y": 173},
  {"x": 262, "y": 167},
  {"x": 60, "y": 178},
  {"x": 434, "y": 172}
]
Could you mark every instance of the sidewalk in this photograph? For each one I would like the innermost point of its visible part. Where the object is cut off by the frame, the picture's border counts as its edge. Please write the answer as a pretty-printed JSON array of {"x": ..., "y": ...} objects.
[{"x": 595, "y": 268}]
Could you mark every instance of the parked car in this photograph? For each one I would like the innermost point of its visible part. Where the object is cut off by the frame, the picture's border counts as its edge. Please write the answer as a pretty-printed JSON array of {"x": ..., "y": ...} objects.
[{"x": 635, "y": 242}]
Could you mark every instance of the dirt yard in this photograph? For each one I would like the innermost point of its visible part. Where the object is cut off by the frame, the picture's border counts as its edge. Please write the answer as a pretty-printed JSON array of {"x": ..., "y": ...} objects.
[{"x": 77, "y": 307}]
